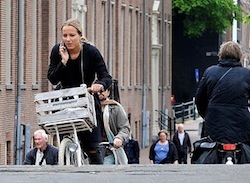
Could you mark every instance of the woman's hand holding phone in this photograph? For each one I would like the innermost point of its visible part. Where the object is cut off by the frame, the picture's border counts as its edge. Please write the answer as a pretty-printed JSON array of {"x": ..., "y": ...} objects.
[{"x": 64, "y": 53}]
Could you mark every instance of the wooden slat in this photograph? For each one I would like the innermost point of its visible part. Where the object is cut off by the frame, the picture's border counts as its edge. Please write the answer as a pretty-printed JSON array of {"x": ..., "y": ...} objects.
[
  {"x": 64, "y": 128},
  {"x": 61, "y": 105},
  {"x": 62, "y": 108},
  {"x": 60, "y": 93},
  {"x": 64, "y": 115}
]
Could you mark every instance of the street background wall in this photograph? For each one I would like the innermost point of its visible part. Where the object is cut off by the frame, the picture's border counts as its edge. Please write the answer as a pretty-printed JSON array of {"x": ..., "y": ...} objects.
[{"x": 29, "y": 29}]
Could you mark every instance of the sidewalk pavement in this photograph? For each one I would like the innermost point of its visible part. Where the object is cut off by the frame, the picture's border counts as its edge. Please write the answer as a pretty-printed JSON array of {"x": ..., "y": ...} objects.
[{"x": 191, "y": 126}]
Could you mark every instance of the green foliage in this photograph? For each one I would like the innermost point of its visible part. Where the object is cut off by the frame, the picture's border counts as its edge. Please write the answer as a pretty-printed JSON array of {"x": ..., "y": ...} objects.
[
  {"x": 246, "y": 19},
  {"x": 203, "y": 15}
]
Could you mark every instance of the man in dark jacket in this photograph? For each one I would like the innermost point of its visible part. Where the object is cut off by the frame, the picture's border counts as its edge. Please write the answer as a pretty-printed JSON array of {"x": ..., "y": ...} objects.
[
  {"x": 182, "y": 142},
  {"x": 222, "y": 97},
  {"x": 43, "y": 153}
]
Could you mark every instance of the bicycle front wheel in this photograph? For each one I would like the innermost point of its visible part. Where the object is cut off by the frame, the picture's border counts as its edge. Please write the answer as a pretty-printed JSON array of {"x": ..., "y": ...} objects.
[{"x": 66, "y": 157}]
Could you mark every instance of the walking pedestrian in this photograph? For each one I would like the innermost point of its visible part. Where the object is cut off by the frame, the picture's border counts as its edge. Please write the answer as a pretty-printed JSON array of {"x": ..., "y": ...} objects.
[
  {"x": 163, "y": 151},
  {"x": 132, "y": 150},
  {"x": 182, "y": 142}
]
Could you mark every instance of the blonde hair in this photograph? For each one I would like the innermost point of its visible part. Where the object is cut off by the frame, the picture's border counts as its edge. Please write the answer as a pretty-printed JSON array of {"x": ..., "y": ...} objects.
[
  {"x": 230, "y": 50},
  {"x": 77, "y": 25}
]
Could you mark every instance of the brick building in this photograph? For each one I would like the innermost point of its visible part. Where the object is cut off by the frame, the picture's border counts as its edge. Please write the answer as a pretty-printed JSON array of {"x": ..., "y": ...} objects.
[{"x": 29, "y": 29}]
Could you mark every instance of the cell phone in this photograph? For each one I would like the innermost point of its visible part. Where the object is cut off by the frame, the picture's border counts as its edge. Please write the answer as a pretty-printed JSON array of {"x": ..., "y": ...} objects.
[{"x": 62, "y": 44}]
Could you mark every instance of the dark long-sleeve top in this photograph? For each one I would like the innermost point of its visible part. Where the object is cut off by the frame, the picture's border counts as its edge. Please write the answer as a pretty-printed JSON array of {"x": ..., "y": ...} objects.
[
  {"x": 224, "y": 106},
  {"x": 71, "y": 76},
  {"x": 50, "y": 154},
  {"x": 172, "y": 155},
  {"x": 186, "y": 146}
]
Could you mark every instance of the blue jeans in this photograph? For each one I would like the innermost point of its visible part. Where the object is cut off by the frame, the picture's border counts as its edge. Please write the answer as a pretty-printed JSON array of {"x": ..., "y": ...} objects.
[{"x": 109, "y": 160}]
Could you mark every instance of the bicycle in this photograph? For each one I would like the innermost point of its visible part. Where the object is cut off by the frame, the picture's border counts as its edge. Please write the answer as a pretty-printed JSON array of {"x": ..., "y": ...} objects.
[
  {"x": 119, "y": 154},
  {"x": 64, "y": 113}
]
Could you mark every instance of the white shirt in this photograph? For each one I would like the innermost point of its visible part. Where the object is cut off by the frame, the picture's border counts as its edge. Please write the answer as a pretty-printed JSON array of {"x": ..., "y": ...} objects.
[
  {"x": 39, "y": 156},
  {"x": 181, "y": 137}
]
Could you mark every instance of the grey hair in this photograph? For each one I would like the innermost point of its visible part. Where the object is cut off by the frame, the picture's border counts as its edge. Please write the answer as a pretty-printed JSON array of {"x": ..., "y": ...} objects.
[
  {"x": 180, "y": 125},
  {"x": 42, "y": 132}
]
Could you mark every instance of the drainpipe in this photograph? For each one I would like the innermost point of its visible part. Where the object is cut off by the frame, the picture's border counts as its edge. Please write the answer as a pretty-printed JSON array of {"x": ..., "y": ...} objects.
[
  {"x": 144, "y": 60},
  {"x": 163, "y": 98},
  {"x": 110, "y": 38},
  {"x": 19, "y": 81}
]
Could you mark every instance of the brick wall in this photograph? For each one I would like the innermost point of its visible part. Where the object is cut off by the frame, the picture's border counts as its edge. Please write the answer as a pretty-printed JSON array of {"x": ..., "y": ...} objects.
[{"x": 130, "y": 94}]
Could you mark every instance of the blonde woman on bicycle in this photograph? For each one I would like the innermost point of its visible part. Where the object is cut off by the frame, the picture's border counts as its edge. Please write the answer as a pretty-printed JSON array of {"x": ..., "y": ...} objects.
[{"x": 74, "y": 62}]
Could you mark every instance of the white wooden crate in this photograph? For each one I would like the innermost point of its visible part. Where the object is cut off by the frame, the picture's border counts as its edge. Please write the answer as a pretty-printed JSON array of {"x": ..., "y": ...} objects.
[{"x": 63, "y": 109}]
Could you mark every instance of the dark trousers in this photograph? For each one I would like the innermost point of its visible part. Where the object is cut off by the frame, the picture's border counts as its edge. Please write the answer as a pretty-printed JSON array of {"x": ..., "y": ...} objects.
[
  {"x": 182, "y": 157},
  {"x": 90, "y": 144}
]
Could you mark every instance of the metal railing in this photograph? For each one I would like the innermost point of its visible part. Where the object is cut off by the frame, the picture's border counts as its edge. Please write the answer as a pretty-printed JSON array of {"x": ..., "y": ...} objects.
[
  {"x": 168, "y": 123},
  {"x": 185, "y": 110}
]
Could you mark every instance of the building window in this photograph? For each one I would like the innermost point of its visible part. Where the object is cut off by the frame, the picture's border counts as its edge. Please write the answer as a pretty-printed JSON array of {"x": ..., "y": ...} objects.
[
  {"x": 8, "y": 74},
  {"x": 93, "y": 22},
  {"x": 138, "y": 49},
  {"x": 135, "y": 49},
  {"x": 129, "y": 49},
  {"x": 8, "y": 152},
  {"x": 137, "y": 128},
  {"x": 111, "y": 40},
  {"x": 21, "y": 47},
  {"x": 103, "y": 28},
  {"x": 122, "y": 47},
  {"x": 149, "y": 61},
  {"x": 239, "y": 32},
  {"x": 160, "y": 54},
  {"x": 34, "y": 46}
]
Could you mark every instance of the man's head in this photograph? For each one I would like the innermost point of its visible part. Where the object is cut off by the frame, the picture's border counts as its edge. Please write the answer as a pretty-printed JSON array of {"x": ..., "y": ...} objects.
[
  {"x": 105, "y": 94},
  {"x": 180, "y": 128},
  {"x": 40, "y": 139}
]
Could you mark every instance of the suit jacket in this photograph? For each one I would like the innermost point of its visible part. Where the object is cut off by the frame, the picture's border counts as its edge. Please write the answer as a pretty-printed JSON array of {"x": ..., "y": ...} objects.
[{"x": 186, "y": 146}]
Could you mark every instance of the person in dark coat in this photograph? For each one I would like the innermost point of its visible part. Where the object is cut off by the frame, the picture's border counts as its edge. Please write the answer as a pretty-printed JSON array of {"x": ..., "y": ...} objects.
[
  {"x": 222, "y": 97},
  {"x": 74, "y": 62},
  {"x": 132, "y": 150},
  {"x": 163, "y": 151},
  {"x": 43, "y": 153},
  {"x": 182, "y": 142}
]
